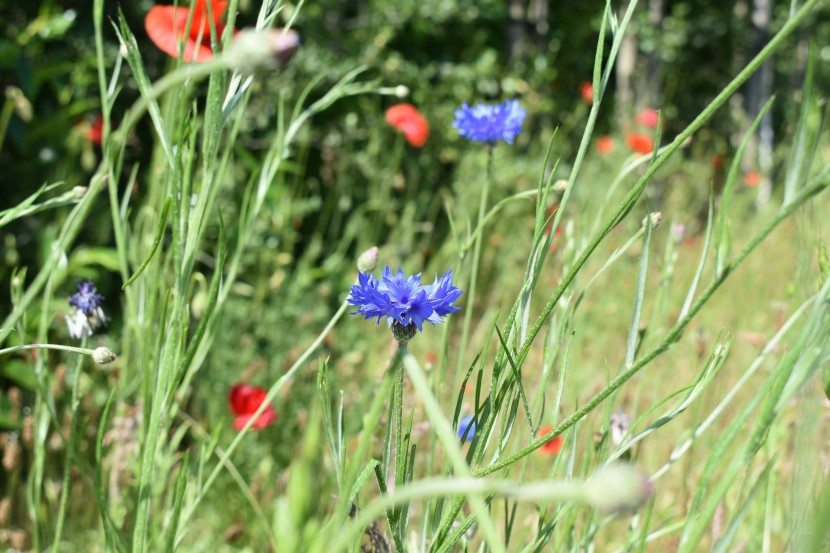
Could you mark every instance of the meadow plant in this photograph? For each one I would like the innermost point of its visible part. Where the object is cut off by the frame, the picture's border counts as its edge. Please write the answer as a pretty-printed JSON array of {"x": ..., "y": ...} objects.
[{"x": 127, "y": 454}]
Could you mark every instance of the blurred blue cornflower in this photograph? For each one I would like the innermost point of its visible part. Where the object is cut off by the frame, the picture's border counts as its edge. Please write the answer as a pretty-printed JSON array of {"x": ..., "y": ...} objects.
[
  {"x": 403, "y": 301},
  {"x": 86, "y": 312},
  {"x": 489, "y": 123},
  {"x": 464, "y": 424}
]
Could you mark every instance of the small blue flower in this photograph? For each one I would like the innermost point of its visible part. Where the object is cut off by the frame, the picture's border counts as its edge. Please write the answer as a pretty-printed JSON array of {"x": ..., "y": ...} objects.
[
  {"x": 489, "y": 123},
  {"x": 464, "y": 424},
  {"x": 87, "y": 299},
  {"x": 404, "y": 301},
  {"x": 87, "y": 313}
]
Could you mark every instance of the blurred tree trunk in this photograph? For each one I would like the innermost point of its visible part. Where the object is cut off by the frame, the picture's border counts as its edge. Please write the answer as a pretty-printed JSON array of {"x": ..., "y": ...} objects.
[
  {"x": 653, "y": 92},
  {"x": 759, "y": 88},
  {"x": 516, "y": 30},
  {"x": 626, "y": 59},
  {"x": 538, "y": 17}
]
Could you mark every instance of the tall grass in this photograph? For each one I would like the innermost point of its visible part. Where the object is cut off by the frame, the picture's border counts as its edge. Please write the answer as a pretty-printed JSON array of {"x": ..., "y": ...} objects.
[{"x": 378, "y": 463}]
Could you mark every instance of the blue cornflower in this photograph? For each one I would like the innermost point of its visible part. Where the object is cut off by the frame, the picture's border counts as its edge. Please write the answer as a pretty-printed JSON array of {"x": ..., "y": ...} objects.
[
  {"x": 464, "y": 424},
  {"x": 489, "y": 123},
  {"x": 403, "y": 301},
  {"x": 86, "y": 312}
]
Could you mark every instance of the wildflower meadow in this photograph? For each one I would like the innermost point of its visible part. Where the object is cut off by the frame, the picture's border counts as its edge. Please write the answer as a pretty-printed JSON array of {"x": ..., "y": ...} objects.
[{"x": 415, "y": 276}]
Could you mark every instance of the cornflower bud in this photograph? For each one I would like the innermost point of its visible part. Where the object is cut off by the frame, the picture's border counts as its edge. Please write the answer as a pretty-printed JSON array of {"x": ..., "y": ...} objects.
[
  {"x": 103, "y": 356},
  {"x": 618, "y": 487},
  {"x": 368, "y": 260}
]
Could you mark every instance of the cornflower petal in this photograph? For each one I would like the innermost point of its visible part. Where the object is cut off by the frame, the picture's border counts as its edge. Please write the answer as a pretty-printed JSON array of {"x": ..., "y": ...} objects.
[
  {"x": 403, "y": 300},
  {"x": 489, "y": 123}
]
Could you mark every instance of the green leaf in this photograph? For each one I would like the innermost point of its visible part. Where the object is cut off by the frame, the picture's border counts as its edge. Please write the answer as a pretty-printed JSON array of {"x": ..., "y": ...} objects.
[{"x": 19, "y": 372}]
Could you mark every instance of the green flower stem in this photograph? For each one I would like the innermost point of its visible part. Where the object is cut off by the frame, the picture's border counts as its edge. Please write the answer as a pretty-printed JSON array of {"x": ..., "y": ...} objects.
[
  {"x": 633, "y": 196},
  {"x": 70, "y": 450},
  {"x": 59, "y": 347},
  {"x": 272, "y": 393},
  {"x": 186, "y": 74},
  {"x": 493, "y": 212},
  {"x": 820, "y": 183},
  {"x": 471, "y": 291},
  {"x": 397, "y": 413},
  {"x": 450, "y": 442},
  {"x": 547, "y": 491}
]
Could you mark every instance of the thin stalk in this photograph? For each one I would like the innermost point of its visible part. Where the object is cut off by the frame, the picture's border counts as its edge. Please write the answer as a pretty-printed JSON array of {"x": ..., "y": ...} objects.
[
  {"x": 468, "y": 308},
  {"x": 449, "y": 440},
  {"x": 820, "y": 183},
  {"x": 272, "y": 393},
  {"x": 70, "y": 452},
  {"x": 58, "y": 347}
]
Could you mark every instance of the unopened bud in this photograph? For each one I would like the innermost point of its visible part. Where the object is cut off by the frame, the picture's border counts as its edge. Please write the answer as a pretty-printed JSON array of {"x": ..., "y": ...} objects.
[
  {"x": 655, "y": 218},
  {"x": 368, "y": 260},
  {"x": 269, "y": 49},
  {"x": 103, "y": 356},
  {"x": 618, "y": 487},
  {"x": 402, "y": 333},
  {"x": 79, "y": 191},
  {"x": 401, "y": 91},
  {"x": 560, "y": 186}
]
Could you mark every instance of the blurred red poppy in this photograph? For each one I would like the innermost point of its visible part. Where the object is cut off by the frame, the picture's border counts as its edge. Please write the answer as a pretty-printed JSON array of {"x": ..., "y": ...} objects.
[
  {"x": 244, "y": 400},
  {"x": 648, "y": 118},
  {"x": 717, "y": 161},
  {"x": 640, "y": 143},
  {"x": 407, "y": 119},
  {"x": 752, "y": 178},
  {"x": 95, "y": 131},
  {"x": 554, "y": 445},
  {"x": 586, "y": 90},
  {"x": 550, "y": 212},
  {"x": 166, "y": 26},
  {"x": 604, "y": 145}
]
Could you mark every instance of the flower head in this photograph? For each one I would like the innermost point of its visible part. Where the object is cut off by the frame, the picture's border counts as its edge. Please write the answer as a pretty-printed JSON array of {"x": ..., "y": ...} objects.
[
  {"x": 403, "y": 300},
  {"x": 86, "y": 314},
  {"x": 604, "y": 145},
  {"x": 407, "y": 119},
  {"x": 466, "y": 428},
  {"x": 244, "y": 400},
  {"x": 640, "y": 143},
  {"x": 268, "y": 49},
  {"x": 586, "y": 90},
  {"x": 752, "y": 178},
  {"x": 167, "y": 25},
  {"x": 94, "y": 132},
  {"x": 552, "y": 446},
  {"x": 648, "y": 118},
  {"x": 489, "y": 123}
]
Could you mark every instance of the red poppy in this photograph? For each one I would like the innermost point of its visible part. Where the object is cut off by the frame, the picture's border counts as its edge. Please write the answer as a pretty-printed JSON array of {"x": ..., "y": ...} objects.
[
  {"x": 752, "y": 178},
  {"x": 166, "y": 26},
  {"x": 95, "y": 131},
  {"x": 604, "y": 145},
  {"x": 648, "y": 118},
  {"x": 552, "y": 446},
  {"x": 407, "y": 119},
  {"x": 586, "y": 90},
  {"x": 244, "y": 400},
  {"x": 640, "y": 143}
]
